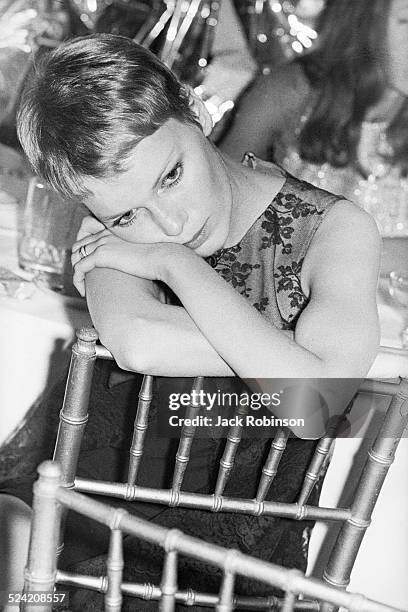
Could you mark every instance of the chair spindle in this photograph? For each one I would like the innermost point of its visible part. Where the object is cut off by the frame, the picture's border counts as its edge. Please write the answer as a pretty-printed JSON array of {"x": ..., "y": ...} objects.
[
  {"x": 231, "y": 446},
  {"x": 114, "y": 568},
  {"x": 140, "y": 427},
  {"x": 186, "y": 438},
  {"x": 271, "y": 465}
]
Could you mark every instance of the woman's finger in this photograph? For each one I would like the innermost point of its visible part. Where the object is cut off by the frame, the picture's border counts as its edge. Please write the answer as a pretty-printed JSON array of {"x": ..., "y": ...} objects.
[
  {"x": 89, "y": 225},
  {"x": 84, "y": 258},
  {"x": 83, "y": 264},
  {"x": 92, "y": 242},
  {"x": 90, "y": 238},
  {"x": 75, "y": 257},
  {"x": 86, "y": 264},
  {"x": 87, "y": 243}
]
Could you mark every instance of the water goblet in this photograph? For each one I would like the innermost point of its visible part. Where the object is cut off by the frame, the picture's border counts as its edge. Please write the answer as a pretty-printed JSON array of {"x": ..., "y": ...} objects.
[{"x": 49, "y": 228}]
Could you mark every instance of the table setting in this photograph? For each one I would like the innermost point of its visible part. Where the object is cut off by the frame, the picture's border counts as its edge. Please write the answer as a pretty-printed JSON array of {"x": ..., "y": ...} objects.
[{"x": 39, "y": 307}]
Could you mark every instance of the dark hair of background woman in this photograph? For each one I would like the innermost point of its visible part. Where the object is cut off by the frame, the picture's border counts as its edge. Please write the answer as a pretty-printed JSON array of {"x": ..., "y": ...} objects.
[{"x": 346, "y": 70}]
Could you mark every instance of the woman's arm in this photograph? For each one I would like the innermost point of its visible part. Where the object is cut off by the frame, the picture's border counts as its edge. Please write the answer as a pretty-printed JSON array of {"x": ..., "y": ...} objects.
[
  {"x": 336, "y": 335},
  {"x": 264, "y": 110},
  {"x": 135, "y": 323},
  {"x": 143, "y": 333}
]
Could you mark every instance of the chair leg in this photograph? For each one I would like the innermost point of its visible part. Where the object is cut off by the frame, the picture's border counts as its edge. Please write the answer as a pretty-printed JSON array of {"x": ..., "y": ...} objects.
[
  {"x": 114, "y": 567},
  {"x": 379, "y": 460},
  {"x": 41, "y": 570},
  {"x": 74, "y": 413}
]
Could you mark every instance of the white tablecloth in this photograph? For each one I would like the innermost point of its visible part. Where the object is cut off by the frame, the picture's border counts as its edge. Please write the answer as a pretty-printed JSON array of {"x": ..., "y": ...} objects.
[{"x": 35, "y": 336}]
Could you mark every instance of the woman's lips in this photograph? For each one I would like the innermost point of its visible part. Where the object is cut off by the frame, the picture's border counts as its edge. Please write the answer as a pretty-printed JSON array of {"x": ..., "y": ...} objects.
[{"x": 198, "y": 239}]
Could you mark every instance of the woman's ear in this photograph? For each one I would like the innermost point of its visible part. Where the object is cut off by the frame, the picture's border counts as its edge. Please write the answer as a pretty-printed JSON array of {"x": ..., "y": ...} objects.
[{"x": 200, "y": 110}]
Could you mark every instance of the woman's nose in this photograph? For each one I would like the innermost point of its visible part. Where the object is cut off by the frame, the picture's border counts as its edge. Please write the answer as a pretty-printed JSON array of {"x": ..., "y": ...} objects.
[{"x": 170, "y": 222}]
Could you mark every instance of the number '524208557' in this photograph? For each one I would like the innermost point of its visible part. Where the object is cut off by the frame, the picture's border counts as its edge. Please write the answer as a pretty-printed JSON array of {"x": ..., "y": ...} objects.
[{"x": 15, "y": 598}]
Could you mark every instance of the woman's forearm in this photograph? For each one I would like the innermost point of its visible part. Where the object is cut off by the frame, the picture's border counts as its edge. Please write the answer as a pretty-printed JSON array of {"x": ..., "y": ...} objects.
[
  {"x": 336, "y": 333},
  {"x": 245, "y": 339},
  {"x": 144, "y": 334},
  {"x": 169, "y": 345}
]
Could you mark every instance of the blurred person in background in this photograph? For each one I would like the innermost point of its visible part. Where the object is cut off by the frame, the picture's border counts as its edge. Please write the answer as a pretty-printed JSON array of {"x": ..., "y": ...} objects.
[{"x": 338, "y": 116}]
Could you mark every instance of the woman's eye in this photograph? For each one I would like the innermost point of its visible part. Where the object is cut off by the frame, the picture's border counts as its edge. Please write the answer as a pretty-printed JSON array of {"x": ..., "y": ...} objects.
[
  {"x": 128, "y": 217},
  {"x": 173, "y": 177}
]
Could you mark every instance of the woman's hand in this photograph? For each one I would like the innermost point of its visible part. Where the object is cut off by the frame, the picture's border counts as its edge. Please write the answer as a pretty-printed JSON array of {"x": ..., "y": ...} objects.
[
  {"x": 89, "y": 226},
  {"x": 101, "y": 249}
]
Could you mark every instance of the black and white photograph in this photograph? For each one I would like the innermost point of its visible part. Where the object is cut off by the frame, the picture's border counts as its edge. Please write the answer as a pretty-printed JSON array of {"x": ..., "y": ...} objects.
[{"x": 204, "y": 305}]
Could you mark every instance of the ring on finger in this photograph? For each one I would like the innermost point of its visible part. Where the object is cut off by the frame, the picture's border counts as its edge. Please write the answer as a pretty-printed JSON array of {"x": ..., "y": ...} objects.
[{"x": 82, "y": 251}]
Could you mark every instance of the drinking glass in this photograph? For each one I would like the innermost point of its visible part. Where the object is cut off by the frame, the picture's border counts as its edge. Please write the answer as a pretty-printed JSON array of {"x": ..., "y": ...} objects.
[{"x": 50, "y": 224}]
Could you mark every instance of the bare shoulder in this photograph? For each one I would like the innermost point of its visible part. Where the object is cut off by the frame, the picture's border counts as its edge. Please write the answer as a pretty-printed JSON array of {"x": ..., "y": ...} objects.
[
  {"x": 352, "y": 224},
  {"x": 347, "y": 242}
]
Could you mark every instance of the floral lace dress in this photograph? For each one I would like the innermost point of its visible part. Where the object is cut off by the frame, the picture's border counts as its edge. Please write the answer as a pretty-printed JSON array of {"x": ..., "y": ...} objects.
[{"x": 265, "y": 268}]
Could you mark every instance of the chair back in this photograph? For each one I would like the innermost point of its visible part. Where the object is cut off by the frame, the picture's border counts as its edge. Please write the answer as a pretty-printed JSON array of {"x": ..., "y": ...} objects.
[{"x": 354, "y": 519}]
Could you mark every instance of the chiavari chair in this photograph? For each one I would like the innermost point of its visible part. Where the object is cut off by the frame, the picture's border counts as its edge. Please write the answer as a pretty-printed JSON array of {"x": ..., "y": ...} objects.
[
  {"x": 354, "y": 520},
  {"x": 41, "y": 572}
]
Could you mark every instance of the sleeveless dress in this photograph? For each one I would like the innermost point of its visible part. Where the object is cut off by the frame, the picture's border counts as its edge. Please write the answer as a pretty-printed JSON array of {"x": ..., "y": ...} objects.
[{"x": 264, "y": 267}]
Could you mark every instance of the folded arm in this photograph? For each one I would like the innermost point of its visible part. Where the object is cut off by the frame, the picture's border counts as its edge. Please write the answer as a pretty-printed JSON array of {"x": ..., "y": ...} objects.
[
  {"x": 143, "y": 333},
  {"x": 218, "y": 332},
  {"x": 337, "y": 333}
]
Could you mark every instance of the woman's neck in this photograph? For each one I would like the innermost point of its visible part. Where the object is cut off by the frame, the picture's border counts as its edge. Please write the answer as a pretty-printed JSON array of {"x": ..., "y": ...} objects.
[{"x": 252, "y": 190}]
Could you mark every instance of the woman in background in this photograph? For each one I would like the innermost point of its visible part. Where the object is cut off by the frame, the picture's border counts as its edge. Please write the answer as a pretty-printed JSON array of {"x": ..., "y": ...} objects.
[{"x": 338, "y": 116}]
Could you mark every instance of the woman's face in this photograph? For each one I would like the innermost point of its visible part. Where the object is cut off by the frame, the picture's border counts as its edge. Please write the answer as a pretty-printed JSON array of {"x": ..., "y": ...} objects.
[
  {"x": 175, "y": 189},
  {"x": 397, "y": 43}
]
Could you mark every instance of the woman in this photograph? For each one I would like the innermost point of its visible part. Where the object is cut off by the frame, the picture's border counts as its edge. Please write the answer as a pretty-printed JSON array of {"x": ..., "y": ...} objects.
[
  {"x": 271, "y": 280},
  {"x": 338, "y": 116}
]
